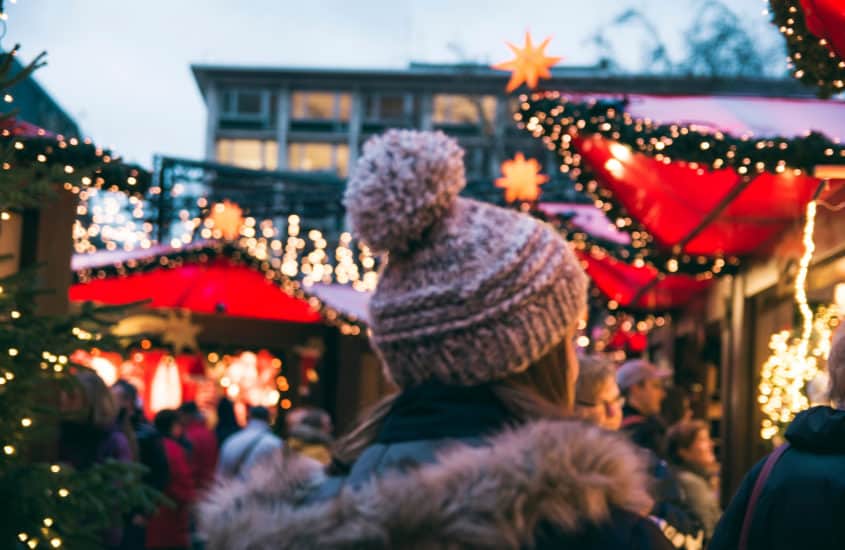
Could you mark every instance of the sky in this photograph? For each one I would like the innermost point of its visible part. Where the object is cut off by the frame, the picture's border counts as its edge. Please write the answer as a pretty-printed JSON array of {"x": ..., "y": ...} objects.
[{"x": 122, "y": 69}]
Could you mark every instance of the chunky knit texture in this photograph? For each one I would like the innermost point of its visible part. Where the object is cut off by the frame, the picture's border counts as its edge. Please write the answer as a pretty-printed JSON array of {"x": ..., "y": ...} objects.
[{"x": 470, "y": 292}]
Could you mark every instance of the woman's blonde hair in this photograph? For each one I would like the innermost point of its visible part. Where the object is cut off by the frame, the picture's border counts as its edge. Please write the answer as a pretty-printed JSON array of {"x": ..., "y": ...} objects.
[{"x": 541, "y": 391}]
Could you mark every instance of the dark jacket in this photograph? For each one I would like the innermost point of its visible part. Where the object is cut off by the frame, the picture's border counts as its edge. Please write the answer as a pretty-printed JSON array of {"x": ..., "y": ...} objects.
[
  {"x": 448, "y": 470},
  {"x": 677, "y": 520},
  {"x": 648, "y": 432},
  {"x": 802, "y": 504}
]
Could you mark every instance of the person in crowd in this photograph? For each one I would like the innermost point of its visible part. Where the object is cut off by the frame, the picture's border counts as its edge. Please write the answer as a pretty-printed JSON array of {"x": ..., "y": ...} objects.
[
  {"x": 597, "y": 397},
  {"x": 91, "y": 433},
  {"x": 800, "y": 501},
  {"x": 227, "y": 422},
  {"x": 203, "y": 453},
  {"x": 598, "y": 400},
  {"x": 676, "y": 407},
  {"x": 312, "y": 436},
  {"x": 250, "y": 446},
  {"x": 691, "y": 454},
  {"x": 474, "y": 319},
  {"x": 150, "y": 453},
  {"x": 642, "y": 385},
  {"x": 169, "y": 527}
]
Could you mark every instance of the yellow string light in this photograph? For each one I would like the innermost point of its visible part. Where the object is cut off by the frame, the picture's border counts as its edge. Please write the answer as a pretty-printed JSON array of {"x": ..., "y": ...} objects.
[{"x": 793, "y": 362}]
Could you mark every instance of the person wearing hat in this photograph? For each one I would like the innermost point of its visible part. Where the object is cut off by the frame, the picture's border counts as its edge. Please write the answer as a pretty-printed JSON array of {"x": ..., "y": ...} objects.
[
  {"x": 473, "y": 320},
  {"x": 641, "y": 383}
]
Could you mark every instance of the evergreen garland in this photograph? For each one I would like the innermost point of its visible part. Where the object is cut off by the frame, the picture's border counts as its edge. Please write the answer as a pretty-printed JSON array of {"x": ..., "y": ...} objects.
[{"x": 815, "y": 63}]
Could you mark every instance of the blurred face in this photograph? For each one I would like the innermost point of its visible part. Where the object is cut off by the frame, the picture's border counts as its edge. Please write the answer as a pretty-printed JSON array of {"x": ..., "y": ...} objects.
[
  {"x": 700, "y": 453},
  {"x": 647, "y": 396},
  {"x": 123, "y": 399},
  {"x": 606, "y": 410}
]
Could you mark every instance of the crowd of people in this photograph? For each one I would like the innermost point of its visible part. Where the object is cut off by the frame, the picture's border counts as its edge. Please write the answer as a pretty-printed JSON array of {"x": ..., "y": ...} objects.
[
  {"x": 182, "y": 455},
  {"x": 499, "y": 435}
]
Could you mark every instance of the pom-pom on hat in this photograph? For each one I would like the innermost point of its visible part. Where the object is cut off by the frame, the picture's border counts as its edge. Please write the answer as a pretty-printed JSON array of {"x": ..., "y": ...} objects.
[{"x": 470, "y": 292}]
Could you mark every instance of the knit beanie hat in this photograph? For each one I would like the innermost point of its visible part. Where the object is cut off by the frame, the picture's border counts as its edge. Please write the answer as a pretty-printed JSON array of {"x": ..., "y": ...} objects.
[{"x": 470, "y": 292}]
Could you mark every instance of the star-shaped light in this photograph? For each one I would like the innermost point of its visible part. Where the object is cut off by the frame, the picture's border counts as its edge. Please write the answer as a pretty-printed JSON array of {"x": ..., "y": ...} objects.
[
  {"x": 530, "y": 64},
  {"x": 521, "y": 179}
]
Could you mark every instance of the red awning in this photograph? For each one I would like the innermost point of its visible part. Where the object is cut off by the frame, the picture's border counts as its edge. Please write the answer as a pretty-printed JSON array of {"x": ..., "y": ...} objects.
[
  {"x": 694, "y": 211},
  {"x": 219, "y": 286},
  {"x": 640, "y": 288}
]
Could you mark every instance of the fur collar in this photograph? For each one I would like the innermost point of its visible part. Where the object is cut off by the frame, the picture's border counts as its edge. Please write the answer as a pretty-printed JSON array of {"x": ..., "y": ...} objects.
[{"x": 565, "y": 472}]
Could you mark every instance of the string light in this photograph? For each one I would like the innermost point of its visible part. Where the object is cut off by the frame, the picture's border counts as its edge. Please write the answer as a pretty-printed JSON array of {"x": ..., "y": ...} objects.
[{"x": 793, "y": 362}]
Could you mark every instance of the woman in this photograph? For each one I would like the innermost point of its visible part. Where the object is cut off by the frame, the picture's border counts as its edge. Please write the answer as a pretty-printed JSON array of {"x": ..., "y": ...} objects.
[
  {"x": 473, "y": 319},
  {"x": 801, "y": 502},
  {"x": 169, "y": 527},
  {"x": 691, "y": 454},
  {"x": 91, "y": 433},
  {"x": 597, "y": 396}
]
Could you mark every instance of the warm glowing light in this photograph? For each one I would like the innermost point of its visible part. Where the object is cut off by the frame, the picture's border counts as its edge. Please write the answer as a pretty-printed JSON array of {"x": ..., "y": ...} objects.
[
  {"x": 521, "y": 179},
  {"x": 620, "y": 151},
  {"x": 616, "y": 168},
  {"x": 795, "y": 362},
  {"x": 529, "y": 65}
]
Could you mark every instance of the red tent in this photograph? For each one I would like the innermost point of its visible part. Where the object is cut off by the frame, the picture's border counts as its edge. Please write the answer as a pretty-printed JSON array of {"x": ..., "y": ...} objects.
[{"x": 218, "y": 286}]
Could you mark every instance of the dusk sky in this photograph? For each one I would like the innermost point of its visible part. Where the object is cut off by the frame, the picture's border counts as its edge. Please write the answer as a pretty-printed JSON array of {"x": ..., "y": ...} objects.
[{"x": 122, "y": 69}]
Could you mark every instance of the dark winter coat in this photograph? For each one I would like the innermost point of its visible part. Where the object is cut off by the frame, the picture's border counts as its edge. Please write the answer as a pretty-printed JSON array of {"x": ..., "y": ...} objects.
[
  {"x": 677, "y": 520},
  {"x": 802, "y": 504},
  {"x": 447, "y": 471}
]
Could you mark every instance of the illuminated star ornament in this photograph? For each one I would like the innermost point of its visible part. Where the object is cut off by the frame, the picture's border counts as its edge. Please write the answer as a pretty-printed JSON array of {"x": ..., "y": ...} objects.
[
  {"x": 521, "y": 179},
  {"x": 530, "y": 64}
]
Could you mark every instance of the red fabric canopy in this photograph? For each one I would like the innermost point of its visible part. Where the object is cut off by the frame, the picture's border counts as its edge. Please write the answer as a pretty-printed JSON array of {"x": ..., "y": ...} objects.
[
  {"x": 641, "y": 288},
  {"x": 218, "y": 286},
  {"x": 673, "y": 201}
]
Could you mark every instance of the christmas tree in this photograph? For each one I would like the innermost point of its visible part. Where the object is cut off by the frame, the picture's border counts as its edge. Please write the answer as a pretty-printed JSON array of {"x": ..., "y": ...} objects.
[{"x": 48, "y": 504}]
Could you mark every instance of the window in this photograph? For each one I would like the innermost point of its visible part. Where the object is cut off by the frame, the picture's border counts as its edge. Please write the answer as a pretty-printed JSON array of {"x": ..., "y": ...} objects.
[
  {"x": 385, "y": 107},
  {"x": 248, "y": 153},
  {"x": 316, "y": 157},
  {"x": 464, "y": 110},
  {"x": 321, "y": 106},
  {"x": 247, "y": 108}
]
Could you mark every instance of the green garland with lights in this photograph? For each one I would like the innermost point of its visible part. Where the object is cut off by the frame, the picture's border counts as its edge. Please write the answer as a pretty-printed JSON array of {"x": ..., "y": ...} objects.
[
  {"x": 176, "y": 258},
  {"x": 815, "y": 64}
]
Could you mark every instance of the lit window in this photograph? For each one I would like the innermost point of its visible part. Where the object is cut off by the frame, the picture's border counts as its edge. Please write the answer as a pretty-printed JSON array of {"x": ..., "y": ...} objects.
[
  {"x": 461, "y": 109},
  {"x": 248, "y": 153},
  {"x": 319, "y": 157},
  {"x": 321, "y": 106}
]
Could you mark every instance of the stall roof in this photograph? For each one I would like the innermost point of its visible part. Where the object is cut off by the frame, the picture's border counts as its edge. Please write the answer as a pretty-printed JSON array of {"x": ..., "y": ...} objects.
[{"x": 218, "y": 286}]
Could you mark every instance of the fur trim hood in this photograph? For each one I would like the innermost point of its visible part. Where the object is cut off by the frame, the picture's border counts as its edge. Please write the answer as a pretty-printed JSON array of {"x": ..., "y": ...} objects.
[{"x": 562, "y": 472}]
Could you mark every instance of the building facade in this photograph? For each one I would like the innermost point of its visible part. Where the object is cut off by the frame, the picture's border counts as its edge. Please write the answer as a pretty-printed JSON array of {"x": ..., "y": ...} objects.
[{"x": 308, "y": 119}]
